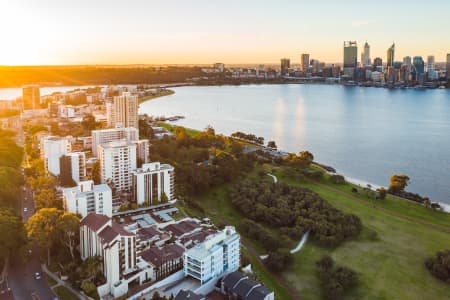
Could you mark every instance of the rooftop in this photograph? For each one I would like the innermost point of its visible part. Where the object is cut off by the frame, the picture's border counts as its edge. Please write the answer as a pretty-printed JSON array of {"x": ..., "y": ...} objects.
[
  {"x": 95, "y": 221},
  {"x": 158, "y": 256}
]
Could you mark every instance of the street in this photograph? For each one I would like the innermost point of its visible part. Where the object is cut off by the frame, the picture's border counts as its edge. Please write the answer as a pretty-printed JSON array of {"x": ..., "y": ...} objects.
[{"x": 21, "y": 274}]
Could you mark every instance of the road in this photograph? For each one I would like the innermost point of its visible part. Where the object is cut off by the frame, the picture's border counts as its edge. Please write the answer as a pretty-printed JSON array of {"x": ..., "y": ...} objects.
[{"x": 21, "y": 274}]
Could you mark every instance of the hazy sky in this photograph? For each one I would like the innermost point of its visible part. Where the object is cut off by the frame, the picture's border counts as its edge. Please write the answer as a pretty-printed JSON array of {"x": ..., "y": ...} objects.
[{"x": 207, "y": 31}]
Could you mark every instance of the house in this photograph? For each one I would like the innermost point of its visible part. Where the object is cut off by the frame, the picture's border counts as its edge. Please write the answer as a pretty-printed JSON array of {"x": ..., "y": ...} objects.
[{"x": 237, "y": 286}]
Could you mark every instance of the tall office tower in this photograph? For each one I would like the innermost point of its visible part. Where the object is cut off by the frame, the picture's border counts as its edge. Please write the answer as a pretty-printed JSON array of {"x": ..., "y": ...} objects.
[
  {"x": 390, "y": 55},
  {"x": 448, "y": 65},
  {"x": 123, "y": 111},
  {"x": 117, "y": 161},
  {"x": 377, "y": 62},
  {"x": 72, "y": 168},
  {"x": 152, "y": 181},
  {"x": 350, "y": 57},
  {"x": 52, "y": 148},
  {"x": 88, "y": 198},
  {"x": 114, "y": 134},
  {"x": 419, "y": 66},
  {"x": 304, "y": 61},
  {"x": 407, "y": 63},
  {"x": 31, "y": 97},
  {"x": 142, "y": 152},
  {"x": 365, "y": 56},
  {"x": 430, "y": 63},
  {"x": 285, "y": 65}
]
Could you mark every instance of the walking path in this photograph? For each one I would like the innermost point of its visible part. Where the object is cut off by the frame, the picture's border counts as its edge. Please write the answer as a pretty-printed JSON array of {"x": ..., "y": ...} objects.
[
  {"x": 63, "y": 283},
  {"x": 275, "y": 179},
  {"x": 300, "y": 243}
]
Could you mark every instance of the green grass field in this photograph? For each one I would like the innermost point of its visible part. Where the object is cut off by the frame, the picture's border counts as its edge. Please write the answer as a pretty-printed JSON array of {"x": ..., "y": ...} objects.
[
  {"x": 150, "y": 97},
  {"x": 388, "y": 255},
  {"x": 64, "y": 294}
]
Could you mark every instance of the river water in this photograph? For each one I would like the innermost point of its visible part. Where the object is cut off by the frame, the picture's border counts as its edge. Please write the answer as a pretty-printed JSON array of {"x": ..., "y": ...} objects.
[{"x": 365, "y": 133}]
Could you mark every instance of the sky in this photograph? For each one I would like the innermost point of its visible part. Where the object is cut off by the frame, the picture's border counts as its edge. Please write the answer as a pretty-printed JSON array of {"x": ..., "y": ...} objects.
[{"x": 62, "y": 32}]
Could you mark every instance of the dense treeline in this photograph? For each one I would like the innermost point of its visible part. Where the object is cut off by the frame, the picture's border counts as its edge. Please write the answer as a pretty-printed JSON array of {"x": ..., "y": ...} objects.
[
  {"x": 202, "y": 161},
  {"x": 439, "y": 265},
  {"x": 10, "y": 176},
  {"x": 336, "y": 280},
  {"x": 294, "y": 210},
  {"x": 248, "y": 137},
  {"x": 77, "y": 75}
]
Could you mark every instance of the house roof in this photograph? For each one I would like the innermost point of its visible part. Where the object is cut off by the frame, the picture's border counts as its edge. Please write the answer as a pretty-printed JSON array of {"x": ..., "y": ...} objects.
[
  {"x": 158, "y": 256},
  {"x": 244, "y": 287},
  {"x": 148, "y": 233},
  {"x": 95, "y": 221},
  {"x": 188, "y": 295},
  {"x": 108, "y": 234},
  {"x": 231, "y": 279},
  {"x": 259, "y": 293},
  {"x": 182, "y": 227}
]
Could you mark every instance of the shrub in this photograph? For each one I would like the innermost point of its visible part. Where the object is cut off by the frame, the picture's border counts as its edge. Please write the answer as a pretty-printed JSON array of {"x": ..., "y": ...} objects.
[{"x": 439, "y": 265}]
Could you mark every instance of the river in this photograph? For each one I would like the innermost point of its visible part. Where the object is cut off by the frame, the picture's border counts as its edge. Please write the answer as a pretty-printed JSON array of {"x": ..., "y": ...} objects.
[{"x": 365, "y": 133}]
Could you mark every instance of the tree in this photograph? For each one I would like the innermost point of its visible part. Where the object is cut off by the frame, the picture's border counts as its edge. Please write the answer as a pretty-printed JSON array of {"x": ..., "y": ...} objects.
[
  {"x": 88, "y": 123},
  {"x": 382, "y": 193},
  {"x": 306, "y": 156},
  {"x": 398, "y": 183},
  {"x": 164, "y": 198},
  {"x": 13, "y": 234},
  {"x": 279, "y": 260},
  {"x": 41, "y": 228},
  {"x": 68, "y": 225},
  {"x": 47, "y": 199},
  {"x": 272, "y": 144},
  {"x": 96, "y": 175},
  {"x": 181, "y": 134},
  {"x": 439, "y": 265},
  {"x": 91, "y": 267}
]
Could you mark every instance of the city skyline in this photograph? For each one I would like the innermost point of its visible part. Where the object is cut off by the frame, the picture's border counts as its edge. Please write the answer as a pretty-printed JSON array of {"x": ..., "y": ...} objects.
[{"x": 153, "y": 32}]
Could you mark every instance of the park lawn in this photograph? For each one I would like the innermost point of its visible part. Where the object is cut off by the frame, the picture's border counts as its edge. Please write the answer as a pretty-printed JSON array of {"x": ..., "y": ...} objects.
[
  {"x": 191, "y": 132},
  {"x": 390, "y": 265},
  {"x": 64, "y": 294}
]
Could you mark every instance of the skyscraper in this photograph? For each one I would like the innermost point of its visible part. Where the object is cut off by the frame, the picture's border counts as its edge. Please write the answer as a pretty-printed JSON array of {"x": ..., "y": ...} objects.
[
  {"x": 123, "y": 111},
  {"x": 31, "y": 97},
  {"x": 407, "y": 62},
  {"x": 304, "y": 60},
  {"x": 390, "y": 55},
  {"x": 419, "y": 66},
  {"x": 365, "y": 56},
  {"x": 350, "y": 57},
  {"x": 285, "y": 65},
  {"x": 377, "y": 62},
  {"x": 430, "y": 63}
]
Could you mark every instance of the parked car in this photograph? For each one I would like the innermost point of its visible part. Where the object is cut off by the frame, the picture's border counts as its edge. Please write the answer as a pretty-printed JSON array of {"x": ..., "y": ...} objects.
[{"x": 37, "y": 276}]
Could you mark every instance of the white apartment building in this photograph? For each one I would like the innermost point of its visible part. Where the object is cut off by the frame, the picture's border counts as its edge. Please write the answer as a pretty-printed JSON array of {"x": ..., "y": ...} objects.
[
  {"x": 142, "y": 152},
  {"x": 123, "y": 111},
  {"x": 117, "y": 161},
  {"x": 52, "y": 148},
  {"x": 114, "y": 134},
  {"x": 88, "y": 198},
  {"x": 217, "y": 255},
  {"x": 72, "y": 165},
  {"x": 100, "y": 236},
  {"x": 151, "y": 181}
]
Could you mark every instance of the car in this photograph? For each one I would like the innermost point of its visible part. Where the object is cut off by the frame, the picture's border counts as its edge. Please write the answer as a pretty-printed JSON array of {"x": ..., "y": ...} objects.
[
  {"x": 37, "y": 276},
  {"x": 25, "y": 209}
]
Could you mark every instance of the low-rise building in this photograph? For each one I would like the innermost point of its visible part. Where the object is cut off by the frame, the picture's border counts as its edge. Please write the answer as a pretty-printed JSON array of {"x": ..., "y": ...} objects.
[
  {"x": 237, "y": 286},
  {"x": 88, "y": 198}
]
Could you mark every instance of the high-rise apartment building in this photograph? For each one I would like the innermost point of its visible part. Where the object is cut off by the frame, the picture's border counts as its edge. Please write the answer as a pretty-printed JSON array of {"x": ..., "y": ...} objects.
[
  {"x": 390, "y": 55},
  {"x": 365, "y": 56},
  {"x": 115, "y": 134},
  {"x": 88, "y": 198},
  {"x": 350, "y": 57},
  {"x": 419, "y": 66},
  {"x": 72, "y": 167},
  {"x": 52, "y": 148},
  {"x": 430, "y": 63},
  {"x": 142, "y": 152},
  {"x": 152, "y": 181},
  {"x": 214, "y": 257},
  {"x": 123, "y": 111},
  {"x": 304, "y": 61},
  {"x": 285, "y": 65},
  {"x": 117, "y": 161},
  {"x": 31, "y": 97}
]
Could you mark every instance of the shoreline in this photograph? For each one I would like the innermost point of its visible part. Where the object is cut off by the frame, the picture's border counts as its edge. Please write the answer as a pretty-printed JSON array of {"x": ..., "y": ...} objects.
[{"x": 165, "y": 92}]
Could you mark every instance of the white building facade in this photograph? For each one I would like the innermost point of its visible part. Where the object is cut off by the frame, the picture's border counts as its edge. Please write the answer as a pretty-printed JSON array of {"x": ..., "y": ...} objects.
[
  {"x": 152, "y": 181},
  {"x": 114, "y": 134},
  {"x": 88, "y": 198},
  {"x": 123, "y": 111},
  {"x": 214, "y": 257},
  {"x": 52, "y": 148},
  {"x": 117, "y": 161}
]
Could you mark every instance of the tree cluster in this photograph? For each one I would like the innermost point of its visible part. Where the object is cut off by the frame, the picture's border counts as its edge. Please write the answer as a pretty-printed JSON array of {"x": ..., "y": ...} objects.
[
  {"x": 249, "y": 137},
  {"x": 439, "y": 265},
  {"x": 335, "y": 280},
  {"x": 294, "y": 210}
]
